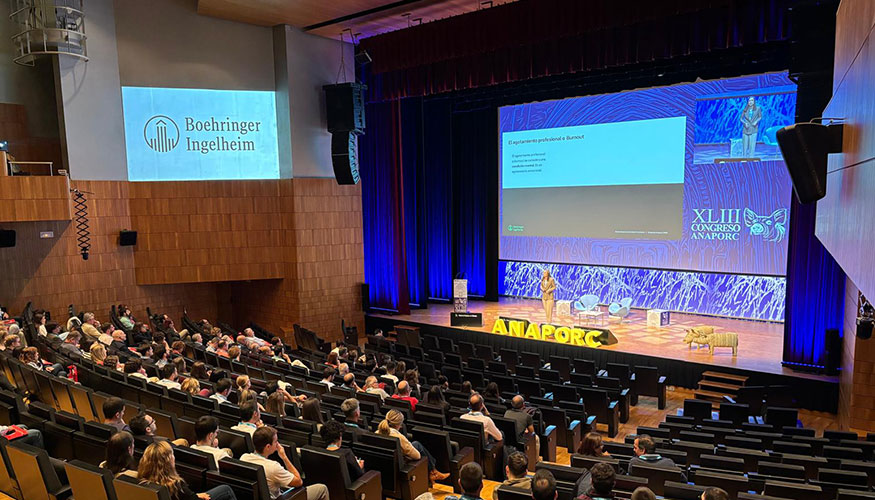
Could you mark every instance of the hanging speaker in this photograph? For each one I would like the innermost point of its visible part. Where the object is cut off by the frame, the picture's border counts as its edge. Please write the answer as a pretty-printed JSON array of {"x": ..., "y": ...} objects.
[
  {"x": 805, "y": 147},
  {"x": 127, "y": 238},
  {"x": 7, "y": 238},
  {"x": 345, "y": 105},
  {"x": 344, "y": 157}
]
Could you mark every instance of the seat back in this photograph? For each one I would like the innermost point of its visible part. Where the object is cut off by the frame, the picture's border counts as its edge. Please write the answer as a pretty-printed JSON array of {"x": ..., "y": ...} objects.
[
  {"x": 84, "y": 405},
  {"x": 697, "y": 408},
  {"x": 647, "y": 380},
  {"x": 682, "y": 491},
  {"x": 238, "y": 442},
  {"x": 795, "y": 491},
  {"x": 731, "y": 483},
  {"x": 656, "y": 476},
  {"x": 8, "y": 483},
  {"x": 33, "y": 470},
  {"x": 511, "y": 493},
  {"x": 247, "y": 480},
  {"x": 326, "y": 467},
  {"x": 89, "y": 481},
  {"x": 780, "y": 417},
  {"x": 736, "y": 413},
  {"x": 130, "y": 489}
]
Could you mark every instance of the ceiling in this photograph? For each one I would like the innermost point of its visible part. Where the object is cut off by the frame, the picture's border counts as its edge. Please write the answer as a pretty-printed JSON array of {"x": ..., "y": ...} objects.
[{"x": 329, "y": 18}]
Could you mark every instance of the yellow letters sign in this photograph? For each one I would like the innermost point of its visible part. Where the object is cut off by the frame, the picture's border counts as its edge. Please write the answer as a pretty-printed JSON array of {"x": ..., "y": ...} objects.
[{"x": 547, "y": 333}]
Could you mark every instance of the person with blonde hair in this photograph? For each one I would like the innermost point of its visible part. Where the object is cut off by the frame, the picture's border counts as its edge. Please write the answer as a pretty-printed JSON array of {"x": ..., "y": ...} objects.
[
  {"x": 391, "y": 427},
  {"x": 98, "y": 353},
  {"x": 192, "y": 386},
  {"x": 158, "y": 467}
]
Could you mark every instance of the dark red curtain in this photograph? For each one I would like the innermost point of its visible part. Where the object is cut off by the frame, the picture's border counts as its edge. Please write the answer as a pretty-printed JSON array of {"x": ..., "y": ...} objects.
[{"x": 534, "y": 38}]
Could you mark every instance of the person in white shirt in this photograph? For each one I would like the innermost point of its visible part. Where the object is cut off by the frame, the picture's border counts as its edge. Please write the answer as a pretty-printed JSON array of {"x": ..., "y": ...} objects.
[
  {"x": 207, "y": 431},
  {"x": 479, "y": 413},
  {"x": 373, "y": 387},
  {"x": 223, "y": 388},
  {"x": 390, "y": 371},
  {"x": 250, "y": 418},
  {"x": 169, "y": 376},
  {"x": 279, "y": 477},
  {"x": 328, "y": 376}
]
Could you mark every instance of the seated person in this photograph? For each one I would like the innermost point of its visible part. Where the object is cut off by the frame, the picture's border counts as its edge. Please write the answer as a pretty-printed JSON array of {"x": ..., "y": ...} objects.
[
  {"x": 332, "y": 433},
  {"x": 120, "y": 455},
  {"x": 158, "y": 467},
  {"x": 645, "y": 493},
  {"x": 207, "y": 431},
  {"x": 134, "y": 368},
  {"x": 522, "y": 419},
  {"x": 143, "y": 427},
  {"x": 250, "y": 418},
  {"x": 373, "y": 387},
  {"x": 517, "y": 475},
  {"x": 715, "y": 494},
  {"x": 645, "y": 453},
  {"x": 404, "y": 394},
  {"x": 328, "y": 376},
  {"x": 391, "y": 426},
  {"x": 114, "y": 413},
  {"x": 471, "y": 482},
  {"x": 169, "y": 377},
  {"x": 223, "y": 389},
  {"x": 70, "y": 347},
  {"x": 603, "y": 480},
  {"x": 279, "y": 477},
  {"x": 479, "y": 413},
  {"x": 544, "y": 486}
]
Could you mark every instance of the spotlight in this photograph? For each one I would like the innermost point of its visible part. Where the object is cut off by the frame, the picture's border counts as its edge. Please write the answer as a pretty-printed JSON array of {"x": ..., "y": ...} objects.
[{"x": 4, "y": 145}]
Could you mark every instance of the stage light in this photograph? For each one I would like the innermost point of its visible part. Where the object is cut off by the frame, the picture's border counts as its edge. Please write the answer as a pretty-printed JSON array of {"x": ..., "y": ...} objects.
[{"x": 4, "y": 146}]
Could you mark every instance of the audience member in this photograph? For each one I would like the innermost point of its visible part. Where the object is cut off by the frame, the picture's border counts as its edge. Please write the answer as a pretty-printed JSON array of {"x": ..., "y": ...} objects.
[
  {"x": 222, "y": 389},
  {"x": 70, "y": 347},
  {"x": 111, "y": 362},
  {"x": 98, "y": 353},
  {"x": 114, "y": 413},
  {"x": 391, "y": 426},
  {"x": 516, "y": 471},
  {"x": 645, "y": 493},
  {"x": 199, "y": 371},
  {"x": 470, "y": 481},
  {"x": 250, "y": 418},
  {"x": 352, "y": 414},
  {"x": 331, "y": 360},
  {"x": 332, "y": 433},
  {"x": 544, "y": 486},
  {"x": 491, "y": 392},
  {"x": 311, "y": 411},
  {"x": 206, "y": 429},
  {"x": 592, "y": 446},
  {"x": 715, "y": 494},
  {"x": 478, "y": 413},
  {"x": 373, "y": 387},
  {"x": 191, "y": 385},
  {"x": 523, "y": 422},
  {"x": 603, "y": 480},
  {"x": 143, "y": 427},
  {"x": 169, "y": 377},
  {"x": 390, "y": 371},
  {"x": 328, "y": 376},
  {"x": 645, "y": 454},
  {"x": 134, "y": 368},
  {"x": 279, "y": 477},
  {"x": 158, "y": 467},
  {"x": 435, "y": 397},
  {"x": 276, "y": 404},
  {"x": 125, "y": 317},
  {"x": 404, "y": 394},
  {"x": 120, "y": 455},
  {"x": 90, "y": 325}
]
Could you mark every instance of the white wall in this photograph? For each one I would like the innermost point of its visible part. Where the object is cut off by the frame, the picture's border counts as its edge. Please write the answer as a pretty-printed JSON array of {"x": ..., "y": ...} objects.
[
  {"x": 92, "y": 127},
  {"x": 165, "y": 43},
  {"x": 312, "y": 62}
]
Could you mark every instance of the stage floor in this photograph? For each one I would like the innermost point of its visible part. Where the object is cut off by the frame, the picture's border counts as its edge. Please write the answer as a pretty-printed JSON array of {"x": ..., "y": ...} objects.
[{"x": 760, "y": 343}]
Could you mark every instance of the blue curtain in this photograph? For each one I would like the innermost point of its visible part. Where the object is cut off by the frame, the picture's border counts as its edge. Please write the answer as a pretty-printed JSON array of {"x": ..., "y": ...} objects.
[
  {"x": 382, "y": 208},
  {"x": 414, "y": 225},
  {"x": 815, "y": 292},
  {"x": 438, "y": 194}
]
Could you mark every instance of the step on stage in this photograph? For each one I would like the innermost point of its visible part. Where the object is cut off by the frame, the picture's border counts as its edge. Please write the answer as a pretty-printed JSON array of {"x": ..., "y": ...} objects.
[{"x": 760, "y": 345}]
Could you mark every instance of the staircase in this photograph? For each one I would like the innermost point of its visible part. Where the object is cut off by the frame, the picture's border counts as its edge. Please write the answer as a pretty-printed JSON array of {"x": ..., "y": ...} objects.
[{"x": 714, "y": 386}]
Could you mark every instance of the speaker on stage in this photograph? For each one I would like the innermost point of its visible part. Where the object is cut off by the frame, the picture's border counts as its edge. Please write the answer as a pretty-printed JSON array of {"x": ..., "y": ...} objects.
[
  {"x": 805, "y": 147},
  {"x": 833, "y": 351},
  {"x": 127, "y": 238}
]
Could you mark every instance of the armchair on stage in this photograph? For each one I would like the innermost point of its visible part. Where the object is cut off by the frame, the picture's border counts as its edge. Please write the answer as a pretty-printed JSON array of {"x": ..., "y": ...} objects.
[
  {"x": 621, "y": 309},
  {"x": 587, "y": 302}
]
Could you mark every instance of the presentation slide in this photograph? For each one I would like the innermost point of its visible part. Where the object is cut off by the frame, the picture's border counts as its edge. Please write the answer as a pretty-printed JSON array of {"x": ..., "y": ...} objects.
[
  {"x": 686, "y": 177},
  {"x": 200, "y": 134}
]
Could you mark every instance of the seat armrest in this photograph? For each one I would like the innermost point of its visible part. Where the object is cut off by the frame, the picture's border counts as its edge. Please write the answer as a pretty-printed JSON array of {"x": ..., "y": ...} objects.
[
  {"x": 548, "y": 443},
  {"x": 367, "y": 487},
  {"x": 613, "y": 405},
  {"x": 464, "y": 456},
  {"x": 62, "y": 493},
  {"x": 299, "y": 493},
  {"x": 662, "y": 379}
]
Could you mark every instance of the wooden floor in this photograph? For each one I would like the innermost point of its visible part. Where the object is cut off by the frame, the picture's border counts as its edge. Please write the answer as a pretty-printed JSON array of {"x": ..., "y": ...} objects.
[
  {"x": 760, "y": 342},
  {"x": 646, "y": 414}
]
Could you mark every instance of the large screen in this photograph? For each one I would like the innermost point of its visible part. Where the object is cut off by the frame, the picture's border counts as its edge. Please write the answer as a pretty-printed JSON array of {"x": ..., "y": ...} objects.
[
  {"x": 686, "y": 177},
  {"x": 198, "y": 134}
]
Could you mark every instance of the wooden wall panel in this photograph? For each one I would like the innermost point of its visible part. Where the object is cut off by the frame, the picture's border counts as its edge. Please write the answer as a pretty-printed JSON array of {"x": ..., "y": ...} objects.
[
  {"x": 52, "y": 274},
  {"x": 846, "y": 216},
  {"x": 34, "y": 198}
]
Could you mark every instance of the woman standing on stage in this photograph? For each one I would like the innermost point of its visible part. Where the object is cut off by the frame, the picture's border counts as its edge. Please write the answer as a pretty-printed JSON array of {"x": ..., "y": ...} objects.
[{"x": 548, "y": 285}]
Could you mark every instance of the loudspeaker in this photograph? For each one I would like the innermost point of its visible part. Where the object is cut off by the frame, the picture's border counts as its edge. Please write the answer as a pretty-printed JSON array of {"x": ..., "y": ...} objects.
[
  {"x": 864, "y": 328},
  {"x": 344, "y": 157},
  {"x": 805, "y": 147},
  {"x": 345, "y": 104},
  {"x": 366, "y": 298},
  {"x": 127, "y": 238},
  {"x": 7, "y": 238},
  {"x": 833, "y": 351}
]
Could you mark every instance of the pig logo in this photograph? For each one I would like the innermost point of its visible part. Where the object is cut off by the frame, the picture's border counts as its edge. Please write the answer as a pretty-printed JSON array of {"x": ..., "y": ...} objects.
[{"x": 771, "y": 227}]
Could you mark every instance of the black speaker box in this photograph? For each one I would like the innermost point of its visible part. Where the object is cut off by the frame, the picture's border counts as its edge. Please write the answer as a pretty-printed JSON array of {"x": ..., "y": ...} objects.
[
  {"x": 127, "y": 238},
  {"x": 345, "y": 104},
  {"x": 864, "y": 328},
  {"x": 833, "y": 351},
  {"x": 366, "y": 298},
  {"x": 805, "y": 147},
  {"x": 7, "y": 238},
  {"x": 344, "y": 157}
]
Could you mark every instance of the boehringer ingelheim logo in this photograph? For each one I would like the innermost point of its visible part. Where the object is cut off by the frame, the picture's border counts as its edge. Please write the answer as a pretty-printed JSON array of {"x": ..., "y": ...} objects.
[{"x": 161, "y": 133}]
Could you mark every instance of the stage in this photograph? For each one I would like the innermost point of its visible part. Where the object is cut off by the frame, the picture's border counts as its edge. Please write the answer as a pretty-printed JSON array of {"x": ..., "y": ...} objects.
[{"x": 760, "y": 344}]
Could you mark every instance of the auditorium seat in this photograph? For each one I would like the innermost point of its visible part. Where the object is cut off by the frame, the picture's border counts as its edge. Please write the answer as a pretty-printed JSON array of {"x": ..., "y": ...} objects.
[
  {"x": 648, "y": 382},
  {"x": 606, "y": 411},
  {"x": 330, "y": 468},
  {"x": 129, "y": 488},
  {"x": 506, "y": 492},
  {"x": 568, "y": 431},
  {"x": 89, "y": 481},
  {"x": 401, "y": 479},
  {"x": 438, "y": 443},
  {"x": 524, "y": 443},
  {"x": 682, "y": 491},
  {"x": 34, "y": 472}
]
